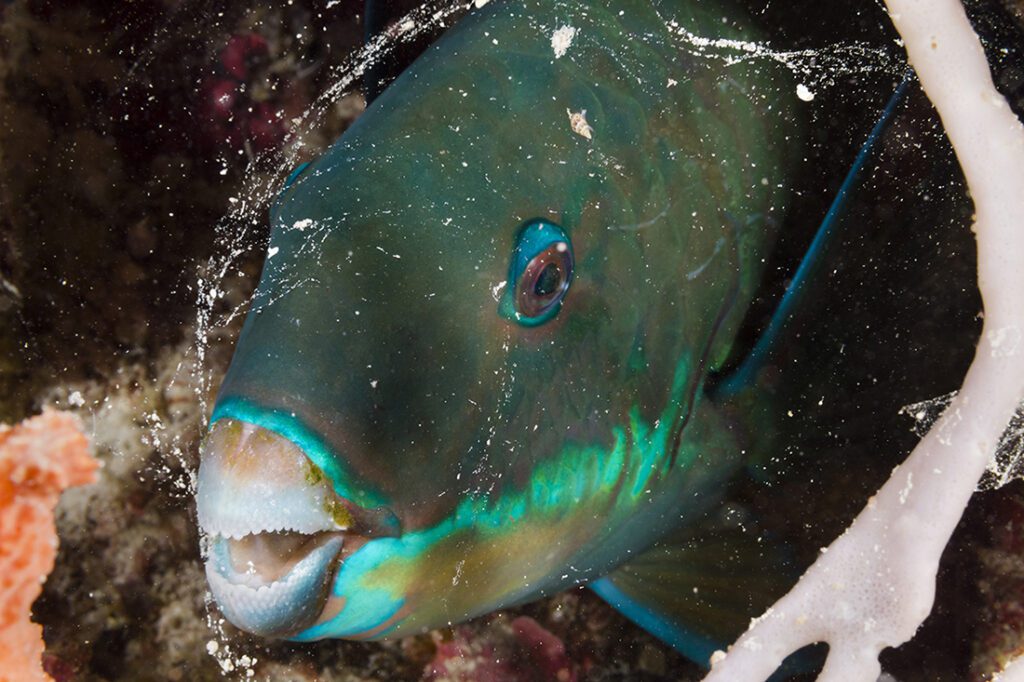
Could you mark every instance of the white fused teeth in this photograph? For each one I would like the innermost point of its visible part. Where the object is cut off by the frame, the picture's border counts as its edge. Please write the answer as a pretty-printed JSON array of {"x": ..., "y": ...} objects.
[{"x": 252, "y": 480}]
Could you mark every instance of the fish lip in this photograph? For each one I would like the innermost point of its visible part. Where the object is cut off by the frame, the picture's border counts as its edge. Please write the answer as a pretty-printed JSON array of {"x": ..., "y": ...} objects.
[
  {"x": 276, "y": 608},
  {"x": 254, "y": 483}
]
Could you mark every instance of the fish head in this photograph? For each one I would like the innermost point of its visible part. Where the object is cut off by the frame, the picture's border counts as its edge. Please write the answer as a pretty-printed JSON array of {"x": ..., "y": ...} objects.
[{"x": 471, "y": 352}]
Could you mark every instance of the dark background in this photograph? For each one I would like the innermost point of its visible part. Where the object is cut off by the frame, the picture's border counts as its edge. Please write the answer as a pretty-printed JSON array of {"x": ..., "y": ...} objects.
[{"x": 125, "y": 127}]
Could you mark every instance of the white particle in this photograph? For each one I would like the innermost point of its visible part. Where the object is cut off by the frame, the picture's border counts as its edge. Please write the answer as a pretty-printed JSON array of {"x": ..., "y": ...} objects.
[
  {"x": 804, "y": 93},
  {"x": 496, "y": 290},
  {"x": 272, "y": 251},
  {"x": 561, "y": 39}
]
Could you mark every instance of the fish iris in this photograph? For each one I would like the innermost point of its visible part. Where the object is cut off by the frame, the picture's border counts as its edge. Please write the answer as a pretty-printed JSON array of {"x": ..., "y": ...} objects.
[{"x": 545, "y": 281}]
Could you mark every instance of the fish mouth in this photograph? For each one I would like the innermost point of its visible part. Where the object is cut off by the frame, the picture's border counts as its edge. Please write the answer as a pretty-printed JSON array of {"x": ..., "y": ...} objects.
[
  {"x": 272, "y": 607},
  {"x": 276, "y": 532}
]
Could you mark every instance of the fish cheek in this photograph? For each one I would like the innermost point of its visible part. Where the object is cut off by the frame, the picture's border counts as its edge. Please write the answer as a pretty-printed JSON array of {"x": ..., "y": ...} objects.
[
  {"x": 611, "y": 322},
  {"x": 477, "y": 570},
  {"x": 583, "y": 393}
]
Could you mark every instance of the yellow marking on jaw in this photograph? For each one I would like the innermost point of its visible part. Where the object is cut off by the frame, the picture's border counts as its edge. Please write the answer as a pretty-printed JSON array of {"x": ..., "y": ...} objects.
[
  {"x": 339, "y": 514},
  {"x": 314, "y": 475},
  {"x": 335, "y": 509}
]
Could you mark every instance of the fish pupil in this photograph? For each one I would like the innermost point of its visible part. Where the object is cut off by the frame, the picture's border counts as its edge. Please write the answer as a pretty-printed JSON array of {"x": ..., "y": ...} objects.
[{"x": 549, "y": 281}]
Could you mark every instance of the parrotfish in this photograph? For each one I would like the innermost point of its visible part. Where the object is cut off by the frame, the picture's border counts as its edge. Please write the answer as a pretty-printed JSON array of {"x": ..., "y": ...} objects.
[{"x": 476, "y": 368}]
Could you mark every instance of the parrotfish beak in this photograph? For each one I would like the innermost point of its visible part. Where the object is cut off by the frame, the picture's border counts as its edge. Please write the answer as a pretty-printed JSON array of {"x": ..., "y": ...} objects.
[{"x": 277, "y": 530}]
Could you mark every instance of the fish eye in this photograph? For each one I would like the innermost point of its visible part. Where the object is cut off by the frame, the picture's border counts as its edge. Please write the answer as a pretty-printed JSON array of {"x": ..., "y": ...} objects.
[
  {"x": 545, "y": 281},
  {"x": 540, "y": 273}
]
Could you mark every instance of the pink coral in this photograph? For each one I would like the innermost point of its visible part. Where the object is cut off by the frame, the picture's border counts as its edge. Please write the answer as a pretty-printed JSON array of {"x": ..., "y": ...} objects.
[
  {"x": 520, "y": 651},
  {"x": 38, "y": 459},
  {"x": 241, "y": 102}
]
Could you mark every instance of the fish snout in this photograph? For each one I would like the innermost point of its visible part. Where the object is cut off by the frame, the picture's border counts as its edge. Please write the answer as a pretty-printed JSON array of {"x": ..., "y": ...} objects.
[{"x": 276, "y": 529}]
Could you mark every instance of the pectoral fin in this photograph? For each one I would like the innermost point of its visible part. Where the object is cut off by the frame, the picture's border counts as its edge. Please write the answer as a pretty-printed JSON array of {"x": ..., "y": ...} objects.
[{"x": 697, "y": 589}]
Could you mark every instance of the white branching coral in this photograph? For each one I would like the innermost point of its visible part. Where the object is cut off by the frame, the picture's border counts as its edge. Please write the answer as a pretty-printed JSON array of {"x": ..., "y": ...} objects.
[
  {"x": 874, "y": 585},
  {"x": 1014, "y": 672}
]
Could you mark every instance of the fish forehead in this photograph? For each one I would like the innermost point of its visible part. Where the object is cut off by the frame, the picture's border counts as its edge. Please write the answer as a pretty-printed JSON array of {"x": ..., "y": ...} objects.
[{"x": 487, "y": 113}]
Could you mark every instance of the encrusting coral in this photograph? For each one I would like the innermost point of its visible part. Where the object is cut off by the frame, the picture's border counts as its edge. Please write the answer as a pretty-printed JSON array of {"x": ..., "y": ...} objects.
[{"x": 38, "y": 459}]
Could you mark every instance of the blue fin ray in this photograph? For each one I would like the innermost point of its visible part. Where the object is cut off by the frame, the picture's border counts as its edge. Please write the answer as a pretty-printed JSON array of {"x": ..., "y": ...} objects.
[{"x": 746, "y": 372}]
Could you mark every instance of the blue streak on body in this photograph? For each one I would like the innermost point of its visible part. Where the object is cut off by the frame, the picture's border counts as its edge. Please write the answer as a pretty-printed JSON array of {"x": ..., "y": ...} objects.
[{"x": 636, "y": 459}]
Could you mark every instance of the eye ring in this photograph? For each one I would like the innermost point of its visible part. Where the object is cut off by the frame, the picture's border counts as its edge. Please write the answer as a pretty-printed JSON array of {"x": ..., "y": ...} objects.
[{"x": 539, "y": 275}]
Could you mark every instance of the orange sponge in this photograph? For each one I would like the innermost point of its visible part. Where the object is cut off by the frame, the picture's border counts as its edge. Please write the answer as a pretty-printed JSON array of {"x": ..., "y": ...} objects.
[{"x": 39, "y": 458}]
